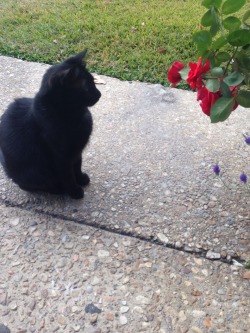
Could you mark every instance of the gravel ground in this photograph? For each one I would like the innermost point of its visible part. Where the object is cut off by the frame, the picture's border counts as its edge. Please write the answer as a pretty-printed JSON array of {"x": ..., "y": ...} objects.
[
  {"x": 59, "y": 276},
  {"x": 145, "y": 250},
  {"x": 150, "y": 160}
]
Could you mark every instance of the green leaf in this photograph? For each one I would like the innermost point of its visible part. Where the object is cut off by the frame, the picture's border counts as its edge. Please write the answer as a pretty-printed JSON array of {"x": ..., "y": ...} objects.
[
  {"x": 243, "y": 59},
  {"x": 212, "y": 61},
  {"x": 215, "y": 15},
  {"x": 234, "y": 79},
  {"x": 214, "y": 29},
  {"x": 231, "y": 23},
  {"x": 206, "y": 55},
  {"x": 184, "y": 73},
  {"x": 243, "y": 98},
  {"x": 246, "y": 18},
  {"x": 209, "y": 3},
  {"x": 222, "y": 57},
  {"x": 207, "y": 19},
  {"x": 225, "y": 90},
  {"x": 232, "y": 6},
  {"x": 239, "y": 37},
  {"x": 219, "y": 42},
  {"x": 221, "y": 109},
  {"x": 213, "y": 85},
  {"x": 217, "y": 71},
  {"x": 203, "y": 39}
]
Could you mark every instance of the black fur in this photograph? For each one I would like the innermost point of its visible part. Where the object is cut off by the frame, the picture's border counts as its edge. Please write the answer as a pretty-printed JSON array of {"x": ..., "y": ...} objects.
[{"x": 42, "y": 139}]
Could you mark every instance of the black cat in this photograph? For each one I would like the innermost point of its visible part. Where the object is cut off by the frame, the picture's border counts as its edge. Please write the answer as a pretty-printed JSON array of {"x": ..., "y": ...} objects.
[{"x": 42, "y": 139}]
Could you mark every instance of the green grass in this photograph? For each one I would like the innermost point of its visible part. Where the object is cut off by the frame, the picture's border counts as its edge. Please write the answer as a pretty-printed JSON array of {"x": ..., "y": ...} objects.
[{"x": 127, "y": 39}]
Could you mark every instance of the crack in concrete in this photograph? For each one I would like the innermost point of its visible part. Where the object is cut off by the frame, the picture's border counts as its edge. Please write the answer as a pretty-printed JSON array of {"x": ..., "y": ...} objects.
[{"x": 201, "y": 253}]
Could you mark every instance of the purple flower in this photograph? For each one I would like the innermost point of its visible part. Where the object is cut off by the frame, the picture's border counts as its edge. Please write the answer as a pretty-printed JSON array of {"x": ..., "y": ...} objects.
[
  {"x": 243, "y": 178},
  {"x": 216, "y": 169},
  {"x": 247, "y": 140}
]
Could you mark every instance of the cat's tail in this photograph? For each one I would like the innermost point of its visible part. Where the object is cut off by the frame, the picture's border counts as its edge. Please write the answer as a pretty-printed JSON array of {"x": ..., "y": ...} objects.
[{"x": 2, "y": 159}]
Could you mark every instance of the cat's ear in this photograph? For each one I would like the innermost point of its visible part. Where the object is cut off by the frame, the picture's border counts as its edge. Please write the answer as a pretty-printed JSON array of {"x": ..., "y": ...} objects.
[
  {"x": 81, "y": 55},
  {"x": 66, "y": 75},
  {"x": 78, "y": 58}
]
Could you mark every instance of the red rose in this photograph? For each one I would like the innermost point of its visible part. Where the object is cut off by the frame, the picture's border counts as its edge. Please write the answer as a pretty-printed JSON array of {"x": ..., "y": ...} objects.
[
  {"x": 207, "y": 99},
  {"x": 173, "y": 74},
  {"x": 195, "y": 74}
]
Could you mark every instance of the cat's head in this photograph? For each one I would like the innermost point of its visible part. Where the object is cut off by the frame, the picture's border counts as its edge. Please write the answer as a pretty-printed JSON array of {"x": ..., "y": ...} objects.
[{"x": 71, "y": 80}]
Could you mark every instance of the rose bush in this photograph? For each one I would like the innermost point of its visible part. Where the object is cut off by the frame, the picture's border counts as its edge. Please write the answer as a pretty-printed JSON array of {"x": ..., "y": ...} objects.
[{"x": 221, "y": 74}]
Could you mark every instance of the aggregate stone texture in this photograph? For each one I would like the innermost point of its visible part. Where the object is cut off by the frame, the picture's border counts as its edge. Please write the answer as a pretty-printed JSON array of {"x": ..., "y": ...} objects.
[
  {"x": 59, "y": 276},
  {"x": 150, "y": 161}
]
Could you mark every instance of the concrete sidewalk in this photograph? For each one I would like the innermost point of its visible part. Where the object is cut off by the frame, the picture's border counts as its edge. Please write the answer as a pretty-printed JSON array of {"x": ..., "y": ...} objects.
[{"x": 104, "y": 264}]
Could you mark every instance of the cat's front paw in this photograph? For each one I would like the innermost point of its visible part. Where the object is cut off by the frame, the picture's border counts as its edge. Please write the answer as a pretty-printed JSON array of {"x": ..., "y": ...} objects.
[
  {"x": 83, "y": 179},
  {"x": 76, "y": 193}
]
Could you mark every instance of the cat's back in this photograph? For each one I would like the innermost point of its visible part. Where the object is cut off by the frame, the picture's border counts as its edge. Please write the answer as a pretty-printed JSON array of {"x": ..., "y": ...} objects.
[
  {"x": 16, "y": 121},
  {"x": 20, "y": 140},
  {"x": 17, "y": 110}
]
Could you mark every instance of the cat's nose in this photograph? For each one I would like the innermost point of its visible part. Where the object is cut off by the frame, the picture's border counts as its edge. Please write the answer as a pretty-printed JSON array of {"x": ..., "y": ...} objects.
[{"x": 99, "y": 94}]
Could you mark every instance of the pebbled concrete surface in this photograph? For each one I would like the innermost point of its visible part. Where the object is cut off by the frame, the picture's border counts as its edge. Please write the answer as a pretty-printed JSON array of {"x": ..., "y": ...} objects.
[
  {"x": 57, "y": 276},
  {"x": 150, "y": 160}
]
